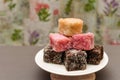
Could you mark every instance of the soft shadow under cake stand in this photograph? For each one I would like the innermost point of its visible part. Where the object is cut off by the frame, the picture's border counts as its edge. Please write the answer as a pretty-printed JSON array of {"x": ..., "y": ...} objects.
[{"x": 83, "y": 77}]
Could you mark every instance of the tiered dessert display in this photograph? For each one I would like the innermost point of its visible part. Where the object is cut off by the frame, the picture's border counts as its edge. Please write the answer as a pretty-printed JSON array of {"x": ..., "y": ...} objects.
[{"x": 72, "y": 48}]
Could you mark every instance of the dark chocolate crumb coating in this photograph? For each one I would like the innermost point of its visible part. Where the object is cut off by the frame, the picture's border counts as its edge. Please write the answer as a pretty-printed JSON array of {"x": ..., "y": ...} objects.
[
  {"x": 51, "y": 56},
  {"x": 95, "y": 55},
  {"x": 75, "y": 60}
]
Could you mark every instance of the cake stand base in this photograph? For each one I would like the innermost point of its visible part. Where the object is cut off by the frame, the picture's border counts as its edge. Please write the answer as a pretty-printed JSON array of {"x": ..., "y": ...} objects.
[{"x": 83, "y": 77}]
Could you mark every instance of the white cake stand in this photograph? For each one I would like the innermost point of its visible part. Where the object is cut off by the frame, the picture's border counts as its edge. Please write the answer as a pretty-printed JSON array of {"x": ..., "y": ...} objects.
[{"x": 60, "y": 70}]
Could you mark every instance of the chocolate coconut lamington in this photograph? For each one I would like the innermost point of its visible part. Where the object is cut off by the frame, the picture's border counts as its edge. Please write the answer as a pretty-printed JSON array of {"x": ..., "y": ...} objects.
[
  {"x": 95, "y": 55},
  {"x": 51, "y": 56},
  {"x": 75, "y": 60}
]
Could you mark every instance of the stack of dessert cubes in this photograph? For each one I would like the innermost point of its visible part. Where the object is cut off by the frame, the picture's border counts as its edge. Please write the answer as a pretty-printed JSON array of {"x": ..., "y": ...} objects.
[{"x": 71, "y": 47}]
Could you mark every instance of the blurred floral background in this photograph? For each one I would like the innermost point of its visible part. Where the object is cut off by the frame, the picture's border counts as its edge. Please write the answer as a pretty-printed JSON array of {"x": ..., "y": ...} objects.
[{"x": 29, "y": 22}]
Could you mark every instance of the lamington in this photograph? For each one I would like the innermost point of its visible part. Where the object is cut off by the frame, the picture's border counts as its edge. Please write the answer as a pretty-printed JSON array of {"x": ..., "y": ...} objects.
[
  {"x": 84, "y": 41},
  {"x": 95, "y": 55},
  {"x": 70, "y": 26},
  {"x": 50, "y": 56},
  {"x": 75, "y": 60},
  {"x": 59, "y": 42}
]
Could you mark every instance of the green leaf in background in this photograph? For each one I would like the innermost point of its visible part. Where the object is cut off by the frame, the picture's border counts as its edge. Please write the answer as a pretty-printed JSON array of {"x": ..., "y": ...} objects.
[
  {"x": 85, "y": 28},
  {"x": 16, "y": 35},
  {"x": 8, "y": 0},
  {"x": 88, "y": 7},
  {"x": 91, "y": 1},
  {"x": 11, "y": 5},
  {"x": 43, "y": 14},
  {"x": 98, "y": 37},
  {"x": 34, "y": 41},
  {"x": 68, "y": 7},
  {"x": 113, "y": 11},
  {"x": 119, "y": 36},
  {"x": 118, "y": 23}
]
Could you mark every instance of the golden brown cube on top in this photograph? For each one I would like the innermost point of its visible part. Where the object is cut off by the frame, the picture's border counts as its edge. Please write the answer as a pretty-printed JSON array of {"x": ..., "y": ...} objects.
[{"x": 70, "y": 26}]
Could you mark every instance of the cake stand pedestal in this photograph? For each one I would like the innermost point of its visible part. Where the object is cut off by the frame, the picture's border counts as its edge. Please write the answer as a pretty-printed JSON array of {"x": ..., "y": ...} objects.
[{"x": 83, "y": 77}]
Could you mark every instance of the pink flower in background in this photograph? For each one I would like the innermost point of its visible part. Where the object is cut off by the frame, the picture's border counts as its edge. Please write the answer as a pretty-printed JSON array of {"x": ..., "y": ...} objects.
[
  {"x": 40, "y": 6},
  {"x": 46, "y": 6},
  {"x": 42, "y": 10},
  {"x": 55, "y": 12}
]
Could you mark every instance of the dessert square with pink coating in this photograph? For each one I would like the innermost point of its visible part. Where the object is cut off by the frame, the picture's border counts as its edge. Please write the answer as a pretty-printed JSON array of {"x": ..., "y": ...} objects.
[
  {"x": 59, "y": 42},
  {"x": 83, "y": 41}
]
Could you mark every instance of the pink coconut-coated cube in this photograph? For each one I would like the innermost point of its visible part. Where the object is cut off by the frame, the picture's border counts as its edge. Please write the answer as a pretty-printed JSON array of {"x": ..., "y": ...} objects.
[
  {"x": 83, "y": 41},
  {"x": 59, "y": 42}
]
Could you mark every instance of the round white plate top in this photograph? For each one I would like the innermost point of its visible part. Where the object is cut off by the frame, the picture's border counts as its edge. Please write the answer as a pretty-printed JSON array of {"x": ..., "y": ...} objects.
[{"x": 61, "y": 70}]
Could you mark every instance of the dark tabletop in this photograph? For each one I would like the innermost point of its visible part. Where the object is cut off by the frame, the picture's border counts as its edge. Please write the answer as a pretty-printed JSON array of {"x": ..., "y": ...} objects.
[{"x": 17, "y": 63}]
